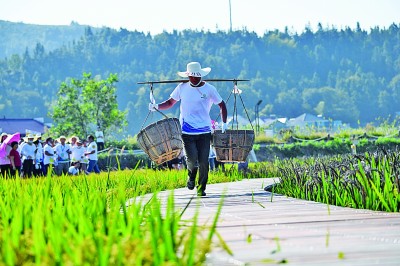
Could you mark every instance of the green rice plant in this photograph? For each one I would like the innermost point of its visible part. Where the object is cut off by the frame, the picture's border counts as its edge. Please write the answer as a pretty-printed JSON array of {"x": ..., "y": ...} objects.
[
  {"x": 264, "y": 169},
  {"x": 369, "y": 181},
  {"x": 85, "y": 220}
]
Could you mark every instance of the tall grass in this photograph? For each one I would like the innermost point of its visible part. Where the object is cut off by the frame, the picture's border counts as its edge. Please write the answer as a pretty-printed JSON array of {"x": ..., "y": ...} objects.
[
  {"x": 84, "y": 220},
  {"x": 369, "y": 181}
]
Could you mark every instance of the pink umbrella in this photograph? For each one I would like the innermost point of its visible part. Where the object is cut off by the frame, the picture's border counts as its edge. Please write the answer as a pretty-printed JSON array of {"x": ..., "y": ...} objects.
[{"x": 8, "y": 140}]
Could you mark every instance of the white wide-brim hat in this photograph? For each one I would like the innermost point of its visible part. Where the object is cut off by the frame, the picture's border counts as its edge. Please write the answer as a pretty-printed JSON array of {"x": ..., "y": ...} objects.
[
  {"x": 73, "y": 137},
  {"x": 30, "y": 136},
  {"x": 193, "y": 69},
  {"x": 62, "y": 137}
]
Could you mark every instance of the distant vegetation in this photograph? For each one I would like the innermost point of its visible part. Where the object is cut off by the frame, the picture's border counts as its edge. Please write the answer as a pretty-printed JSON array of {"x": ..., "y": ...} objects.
[
  {"x": 347, "y": 74},
  {"x": 16, "y": 38}
]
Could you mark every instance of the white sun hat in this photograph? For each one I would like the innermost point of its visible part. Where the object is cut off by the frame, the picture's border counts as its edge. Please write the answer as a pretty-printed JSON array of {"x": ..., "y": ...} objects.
[{"x": 194, "y": 69}]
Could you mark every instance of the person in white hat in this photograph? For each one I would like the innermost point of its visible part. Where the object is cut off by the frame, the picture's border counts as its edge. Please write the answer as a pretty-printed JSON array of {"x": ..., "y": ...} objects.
[
  {"x": 197, "y": 97},
  {"x": 78, "y": 152},
  {"x": 38, "y": 169},
  {"x": 91, "y": 153},
  {"x": 28, "y": 154},
  {"x": 72, "y": 141},
  {"x": 49, "y": 155},
  {"x": 63, "y": 151},
  {"x": 99, "y": 139}
]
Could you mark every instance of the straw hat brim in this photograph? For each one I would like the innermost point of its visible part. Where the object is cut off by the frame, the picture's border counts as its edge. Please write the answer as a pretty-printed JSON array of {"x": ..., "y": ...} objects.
[{"x": 200, "y": 73}]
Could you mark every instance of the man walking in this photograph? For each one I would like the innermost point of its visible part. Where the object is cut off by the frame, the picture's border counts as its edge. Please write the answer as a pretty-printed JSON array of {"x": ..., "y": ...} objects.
[
  {"x": 92, "y": 154},
  {"x": 63, "y": 151},
  {"x": 197, "y": 97}
]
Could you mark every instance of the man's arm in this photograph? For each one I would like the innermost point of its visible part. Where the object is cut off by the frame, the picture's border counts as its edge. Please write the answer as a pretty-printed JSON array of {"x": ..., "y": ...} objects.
[
  {"x": 88, "y": 152},
  {"x": 224, "y": 112},
  {"x": 46, "y": 152},
  {"x": 12, "y": 162},
  {"x": 166, "y": 104}
]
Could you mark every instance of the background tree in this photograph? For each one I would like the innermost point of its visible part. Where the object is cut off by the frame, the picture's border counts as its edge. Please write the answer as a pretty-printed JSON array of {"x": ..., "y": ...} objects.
[
  {"x": 83, "y": 105},
  {"x": 345, "y": 74}
]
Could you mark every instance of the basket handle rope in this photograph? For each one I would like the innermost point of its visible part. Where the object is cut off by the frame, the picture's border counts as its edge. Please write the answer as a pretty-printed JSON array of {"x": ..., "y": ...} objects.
[
  {"x": 236, "y": 91},
  {"x": 152, "y": 100}
]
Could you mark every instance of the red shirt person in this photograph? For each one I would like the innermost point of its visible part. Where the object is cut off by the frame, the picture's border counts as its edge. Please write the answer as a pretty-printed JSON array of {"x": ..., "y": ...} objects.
[{"x": 15, "y": 159}]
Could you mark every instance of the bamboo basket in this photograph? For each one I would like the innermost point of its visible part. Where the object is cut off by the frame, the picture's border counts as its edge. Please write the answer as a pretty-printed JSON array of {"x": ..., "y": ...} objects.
[
  {"x": 162, "y": 140},
  {"x": 233, "y": 145}
]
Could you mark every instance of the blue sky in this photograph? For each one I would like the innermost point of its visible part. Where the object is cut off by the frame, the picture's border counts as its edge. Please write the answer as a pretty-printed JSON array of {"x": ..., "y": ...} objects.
[{"x": 155, "y": 16}]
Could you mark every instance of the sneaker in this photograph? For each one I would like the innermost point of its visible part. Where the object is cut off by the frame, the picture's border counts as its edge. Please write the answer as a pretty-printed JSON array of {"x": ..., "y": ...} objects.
[
  {"x": 190, "y": 184},
  {"x": 201, "y": 193}
]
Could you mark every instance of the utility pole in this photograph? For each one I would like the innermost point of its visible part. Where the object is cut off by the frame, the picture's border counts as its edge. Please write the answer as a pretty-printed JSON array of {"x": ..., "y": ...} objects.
[
  {"x": 230, "y": 16},
  {"x": 257, "y": 116}
]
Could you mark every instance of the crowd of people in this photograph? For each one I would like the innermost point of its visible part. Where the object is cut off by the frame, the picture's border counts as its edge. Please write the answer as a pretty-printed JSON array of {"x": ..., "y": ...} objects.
[
  {"x": 31, "y": 156},
  {"x": 196, "y": 98}
]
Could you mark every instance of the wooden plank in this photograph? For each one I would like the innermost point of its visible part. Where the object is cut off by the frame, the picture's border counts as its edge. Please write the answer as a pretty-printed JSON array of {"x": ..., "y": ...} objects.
[{"x": 306, "y": 232}]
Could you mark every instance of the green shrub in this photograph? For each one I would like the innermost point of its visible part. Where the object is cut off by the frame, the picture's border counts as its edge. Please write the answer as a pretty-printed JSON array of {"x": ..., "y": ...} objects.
[
  {"x": 124, "y": 161},
  {"x": 129, "y": 143}
]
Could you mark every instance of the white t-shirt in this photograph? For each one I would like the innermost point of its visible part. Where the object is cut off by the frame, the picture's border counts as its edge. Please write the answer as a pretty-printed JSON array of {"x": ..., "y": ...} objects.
[
  {"x": 77, "y": 154},
  {"x": 20, "y": 146},
  {"x": 28, "y": 151},
  {"x": 92, "y": 146},
  {"x": 99, "y": 136},
  {"x": 39, "y": 153},
  {"x": 47, "y": 159},
  {"x": 85, "y": 158},
  {"x": 195, "y": 106},
  {"x": 62, "y": 153},
  {"x": 73, "y": 171}
]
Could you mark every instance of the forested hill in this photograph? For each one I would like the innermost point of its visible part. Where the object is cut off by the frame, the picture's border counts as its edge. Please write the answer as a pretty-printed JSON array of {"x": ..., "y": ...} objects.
[
  {"x": 344, "y": 74},
  {"x": 16, "y": 38}
]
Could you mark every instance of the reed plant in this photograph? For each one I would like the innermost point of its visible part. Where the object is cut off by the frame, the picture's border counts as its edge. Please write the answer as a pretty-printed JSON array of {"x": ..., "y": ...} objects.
[{"x": 368, "y": 181}]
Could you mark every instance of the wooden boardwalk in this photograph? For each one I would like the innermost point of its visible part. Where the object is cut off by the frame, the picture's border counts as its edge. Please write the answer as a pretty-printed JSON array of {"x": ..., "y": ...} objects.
[{"x": 265, "y": 229}]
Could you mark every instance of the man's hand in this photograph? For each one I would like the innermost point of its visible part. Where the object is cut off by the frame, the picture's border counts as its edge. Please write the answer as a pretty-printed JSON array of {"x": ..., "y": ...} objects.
[
  {"x": 224, "y": 127},
  {"x": 153, "y": 107}
]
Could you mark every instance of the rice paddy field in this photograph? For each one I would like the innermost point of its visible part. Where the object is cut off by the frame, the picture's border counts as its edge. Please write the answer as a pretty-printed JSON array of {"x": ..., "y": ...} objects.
[
  {"x": 83, "y": 220},
  {"x": 363, "y": 181}
]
